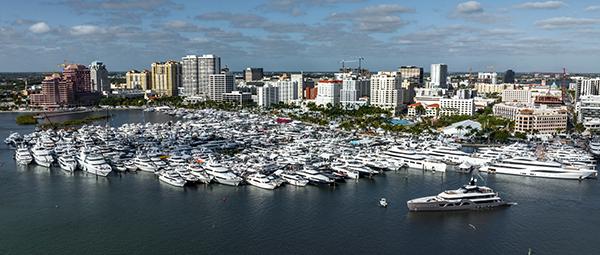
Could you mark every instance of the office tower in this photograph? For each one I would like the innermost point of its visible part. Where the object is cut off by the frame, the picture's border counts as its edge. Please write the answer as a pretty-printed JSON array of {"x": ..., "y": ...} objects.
[
  {"x": 196, "y": 71},
  {"x": 219, "y": 84},
  {"x": 99, "y": 77},
  {"x": 509, "y": 76},
  {"x": 439, "y": 75},
  {"x": 412, "y": 73},
  {"x": 253, "y": 74},
  {"x": 328, "y": 92},
  {"x": 299, "y": 79},
  {"x": 79, "y": 77}
]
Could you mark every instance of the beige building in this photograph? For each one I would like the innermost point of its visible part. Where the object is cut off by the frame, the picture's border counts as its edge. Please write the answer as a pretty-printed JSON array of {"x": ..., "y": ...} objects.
[
  {"x": 541, "y": 121},
  {"x": 387, "y": 91},
  {"x": 166, "y": 78},
  {"x": 484, "y": 88},
  {"x": 517, "y": 95},
  {"x": 138, "y": 80}
]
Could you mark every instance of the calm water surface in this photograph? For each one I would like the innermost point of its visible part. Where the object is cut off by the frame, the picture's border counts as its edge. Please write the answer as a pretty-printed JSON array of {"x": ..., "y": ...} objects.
[{"x": 52, "y": 212}]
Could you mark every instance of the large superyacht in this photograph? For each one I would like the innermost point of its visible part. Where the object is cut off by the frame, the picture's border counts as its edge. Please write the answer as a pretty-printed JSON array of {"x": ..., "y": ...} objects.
[
  {"x": 467, "y": 197},
  {"x": 527, "y": 166}
]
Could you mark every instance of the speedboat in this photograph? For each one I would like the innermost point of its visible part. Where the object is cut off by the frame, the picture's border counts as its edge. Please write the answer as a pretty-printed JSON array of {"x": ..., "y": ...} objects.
[
  {"x": 383, "y": 202},
  {"x": 261, "y": 181},
  {"x": 468, "y": 197}
]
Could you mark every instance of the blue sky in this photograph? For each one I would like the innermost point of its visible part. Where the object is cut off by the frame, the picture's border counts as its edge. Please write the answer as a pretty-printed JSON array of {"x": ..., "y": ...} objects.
[{"x": 308, "y": 35}]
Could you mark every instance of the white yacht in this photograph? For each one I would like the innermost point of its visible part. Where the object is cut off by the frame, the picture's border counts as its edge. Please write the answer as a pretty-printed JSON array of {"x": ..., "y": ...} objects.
[
  {"x": 468, "y": 197},
  {"x": 315, "y": 177},
  {"x": 594, "y": 146},
  {"x": 222, "y": 174},
  {"x": 145, "y": 164},
  {"x": 525, "y": 166},
  {"x": 94, "y": 163},
  {"x": 23, "y": 156},
  {"x": 454, "y": 155},
  {"x": 67, "y": 163},
  {"x": 186, "y": 174},
  {"x": 294, "y": 179},
  {"x": 261, "y": 181},
  {"x": 171, "y": 177},
  {"x": 42, "y": 156},
  {"x": 411, "y": 159}
]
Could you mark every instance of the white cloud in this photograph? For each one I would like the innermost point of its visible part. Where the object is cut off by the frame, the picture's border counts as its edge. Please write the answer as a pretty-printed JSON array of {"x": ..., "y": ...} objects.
[
  {"x": 39, "y": 28},
  {"x": 565, "y": 22},
  {"x": 85, "y": 30},
  {"x": 542, "y": 5},
  {"x": 469, "y": 7},
  {"x": 593, "y": 8}
]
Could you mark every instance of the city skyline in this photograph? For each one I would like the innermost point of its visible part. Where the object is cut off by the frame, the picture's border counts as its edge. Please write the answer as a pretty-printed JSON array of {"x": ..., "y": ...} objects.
[{"x": 298, "y": 35}]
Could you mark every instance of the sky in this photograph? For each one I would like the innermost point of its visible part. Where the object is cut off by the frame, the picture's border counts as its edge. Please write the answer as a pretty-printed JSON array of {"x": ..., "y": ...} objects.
[{"x": 303, "y": 35}]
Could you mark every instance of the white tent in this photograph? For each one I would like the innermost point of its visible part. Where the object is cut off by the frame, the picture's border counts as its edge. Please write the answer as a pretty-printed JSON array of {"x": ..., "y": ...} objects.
[{"x": 461, "y": 128}]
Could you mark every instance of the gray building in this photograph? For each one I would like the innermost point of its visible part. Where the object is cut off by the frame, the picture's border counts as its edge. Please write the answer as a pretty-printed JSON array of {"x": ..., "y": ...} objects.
[
  {"x": 353, "y": 89},
  {"x": 99, "y": 77},
  {"x": 439, "y": 75},
  {"x": 218, "y": 84},
  {"x": 196, "y": 71},
  {"x": 253, "y": 74}
]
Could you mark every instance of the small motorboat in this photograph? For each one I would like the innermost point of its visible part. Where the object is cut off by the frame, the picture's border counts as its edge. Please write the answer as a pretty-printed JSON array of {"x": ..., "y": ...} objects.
[{"x": 383, "y": 202}]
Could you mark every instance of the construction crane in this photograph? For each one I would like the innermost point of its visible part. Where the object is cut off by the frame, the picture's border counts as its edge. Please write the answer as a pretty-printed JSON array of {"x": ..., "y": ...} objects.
[
  {"x": 359, "y": 60},
  {"x": 64, "y": 64}
]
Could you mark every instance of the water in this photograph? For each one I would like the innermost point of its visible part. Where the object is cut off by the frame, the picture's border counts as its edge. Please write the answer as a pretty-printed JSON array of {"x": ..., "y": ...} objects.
[{"x": 52, "y": 212}]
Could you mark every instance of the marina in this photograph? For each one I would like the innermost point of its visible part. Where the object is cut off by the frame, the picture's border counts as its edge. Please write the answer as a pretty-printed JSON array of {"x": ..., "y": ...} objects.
[{"x": 215, "y": 209}]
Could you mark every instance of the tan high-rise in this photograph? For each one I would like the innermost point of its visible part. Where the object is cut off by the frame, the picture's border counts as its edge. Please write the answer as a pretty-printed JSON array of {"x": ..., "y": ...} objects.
[
  {"x": 166, "y": 78},
  {"x": 138, "y": 79}
]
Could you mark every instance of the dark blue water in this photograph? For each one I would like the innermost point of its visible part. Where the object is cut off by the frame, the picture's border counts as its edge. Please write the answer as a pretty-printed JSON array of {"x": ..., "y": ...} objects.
[{"x": 52, "y": 212}]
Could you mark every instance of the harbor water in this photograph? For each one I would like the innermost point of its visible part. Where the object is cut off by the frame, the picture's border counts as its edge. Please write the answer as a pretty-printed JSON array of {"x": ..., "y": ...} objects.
[{"x": 54, "y": 212}]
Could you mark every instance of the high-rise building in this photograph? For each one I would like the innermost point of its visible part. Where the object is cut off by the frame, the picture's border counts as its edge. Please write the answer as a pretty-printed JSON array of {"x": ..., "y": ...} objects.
[
  {"x": 439, "y": 75},
  {"x": 79, "y": 77},
  {"x": 166, "y": 78},
  {"x": 267, "y": 95},
  {"x": 355, "y": 91},
  {"x": 138, "y": 79},
  {"x": 253, "y": 74},
  {"x": 509, "y": 76},
  {"x": 328, "y": 92},
  {"x": 386, "y": 91},
  {"x": 207, "y": 65},
  {"x": 299, "y": 79},
  {"x": 412, "y": 73},
  {"x": 189, "y": 75},
  {"x": 72, "y": 88},
  {"x": 99, "y": 77},
  {"x": 587, "y": 86},
  {"x": 491, "y": 78},
  {"x": 218, "y": 84},
  {"x": 196, "y": 71}
]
